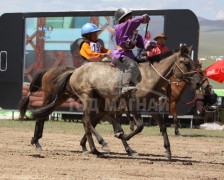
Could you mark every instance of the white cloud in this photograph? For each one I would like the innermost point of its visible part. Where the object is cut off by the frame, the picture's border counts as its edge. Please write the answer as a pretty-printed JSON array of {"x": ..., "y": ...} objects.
[{"x": 220, "y": 15}]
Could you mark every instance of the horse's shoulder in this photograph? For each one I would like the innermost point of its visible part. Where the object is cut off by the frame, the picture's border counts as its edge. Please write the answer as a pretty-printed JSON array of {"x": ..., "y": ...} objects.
[{"x": 143, "y": 66}]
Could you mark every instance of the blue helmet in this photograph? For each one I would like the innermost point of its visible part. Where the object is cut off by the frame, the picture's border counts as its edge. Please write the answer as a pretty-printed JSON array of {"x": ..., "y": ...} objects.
[{"x": 89, "y": 28}]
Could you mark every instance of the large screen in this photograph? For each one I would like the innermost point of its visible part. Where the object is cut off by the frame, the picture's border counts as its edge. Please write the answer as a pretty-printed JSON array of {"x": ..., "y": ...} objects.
[{"x": 52, "y": 42}]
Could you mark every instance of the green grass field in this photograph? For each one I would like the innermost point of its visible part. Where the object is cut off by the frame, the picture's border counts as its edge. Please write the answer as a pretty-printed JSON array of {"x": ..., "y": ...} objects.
[
  {"x": 211, "y": 43},
  {"x": 103, "y": 128}
]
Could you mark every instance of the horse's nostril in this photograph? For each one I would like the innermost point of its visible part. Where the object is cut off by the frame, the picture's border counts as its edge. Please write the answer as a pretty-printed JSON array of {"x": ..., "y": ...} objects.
[{"x": 198, "y": 85}]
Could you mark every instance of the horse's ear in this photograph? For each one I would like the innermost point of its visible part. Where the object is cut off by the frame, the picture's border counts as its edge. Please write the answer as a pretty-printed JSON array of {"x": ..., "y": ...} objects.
[
  {"x": 190, "y": 47},
  {"x": 184, "y": 50}
]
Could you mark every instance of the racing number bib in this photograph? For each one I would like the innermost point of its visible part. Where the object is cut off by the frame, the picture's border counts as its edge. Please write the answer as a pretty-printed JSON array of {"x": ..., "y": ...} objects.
[{"x": 96, "y": 47}]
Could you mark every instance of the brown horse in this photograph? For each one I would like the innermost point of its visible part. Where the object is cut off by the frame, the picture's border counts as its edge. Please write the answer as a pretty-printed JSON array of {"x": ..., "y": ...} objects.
[
  {"x": 46, "y": 81},
  {"x": 176, "y": 88},
  {"x": 87, "y": 83}
]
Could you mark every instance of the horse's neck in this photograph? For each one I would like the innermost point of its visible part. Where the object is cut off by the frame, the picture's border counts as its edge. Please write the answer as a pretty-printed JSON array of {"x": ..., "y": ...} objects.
[
  {"x": 164, "y": 66},
  {"x": 155, "y": 79}
]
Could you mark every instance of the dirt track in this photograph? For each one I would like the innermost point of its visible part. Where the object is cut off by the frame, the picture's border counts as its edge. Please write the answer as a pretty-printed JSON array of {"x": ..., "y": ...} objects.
[{"x": 61, "y": 158}]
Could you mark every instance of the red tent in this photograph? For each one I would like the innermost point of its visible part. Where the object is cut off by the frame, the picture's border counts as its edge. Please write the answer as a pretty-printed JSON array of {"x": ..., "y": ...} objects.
[{"x": 216, "y": 71}]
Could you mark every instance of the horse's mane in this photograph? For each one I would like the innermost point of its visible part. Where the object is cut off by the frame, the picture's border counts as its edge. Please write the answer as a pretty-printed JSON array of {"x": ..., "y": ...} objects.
[
  {"x": 161, "y": 56},
  {"x": 183, "y": 50}
]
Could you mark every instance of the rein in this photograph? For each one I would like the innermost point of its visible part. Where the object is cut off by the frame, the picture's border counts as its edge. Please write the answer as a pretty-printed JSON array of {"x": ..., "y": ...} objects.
[
  {"x": 191, "y": 102},
  {"x": 164, "y": 78},
  {"x": 160, "y": 74},
  {"x": 185, "y": 74}
]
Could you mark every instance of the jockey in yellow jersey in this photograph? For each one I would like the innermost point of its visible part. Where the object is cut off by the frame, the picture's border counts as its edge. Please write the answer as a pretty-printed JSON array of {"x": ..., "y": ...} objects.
[{"x": 91, "y": 50}]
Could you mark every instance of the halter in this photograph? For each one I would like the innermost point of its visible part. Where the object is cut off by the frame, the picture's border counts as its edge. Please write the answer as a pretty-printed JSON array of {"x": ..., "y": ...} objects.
[
  {"x": 204, "y": 79},
  {"x": 186, "y": 75}
]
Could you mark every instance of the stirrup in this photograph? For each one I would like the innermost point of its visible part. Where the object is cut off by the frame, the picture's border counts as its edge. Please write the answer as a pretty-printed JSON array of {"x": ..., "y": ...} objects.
[{"x": 127, "y": 89}]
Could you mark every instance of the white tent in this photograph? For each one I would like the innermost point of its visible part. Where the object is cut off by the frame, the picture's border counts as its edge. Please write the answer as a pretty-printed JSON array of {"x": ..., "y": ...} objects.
[
  {"x": 202, "y": 59},
  {"x": 219, "y": 59}
]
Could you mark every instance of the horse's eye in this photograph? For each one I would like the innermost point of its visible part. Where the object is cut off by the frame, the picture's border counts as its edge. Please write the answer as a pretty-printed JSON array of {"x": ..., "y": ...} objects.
[
  {"x": 182, "y": 60},
  {"x": 186, "y": 61}
]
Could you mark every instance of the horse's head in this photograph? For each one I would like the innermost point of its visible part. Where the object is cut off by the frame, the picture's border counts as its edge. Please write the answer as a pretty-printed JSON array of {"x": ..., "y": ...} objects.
[{"x": 184, "y": 67}]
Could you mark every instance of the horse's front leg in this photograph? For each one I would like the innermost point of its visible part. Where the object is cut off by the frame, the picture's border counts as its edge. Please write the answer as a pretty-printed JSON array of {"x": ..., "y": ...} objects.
[
  {"x": 175, "y": 120},
  {"x": 137, "y": 118},
  {"x": 98, "y": 137},
  {"x": 84, "y": 138},
  {"x": 129, "y": 150},
  {"x": 163, "y": 130},
  {"x": 38, "y": 132},
  {"x": 176, "y": 126},
  {"x": 119, "y": 134},
  {"x": 140, "y": 125}
]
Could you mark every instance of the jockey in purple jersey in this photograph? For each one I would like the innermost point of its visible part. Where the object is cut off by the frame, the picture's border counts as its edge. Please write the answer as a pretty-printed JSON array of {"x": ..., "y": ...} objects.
[{"x": 127, "y": 37}]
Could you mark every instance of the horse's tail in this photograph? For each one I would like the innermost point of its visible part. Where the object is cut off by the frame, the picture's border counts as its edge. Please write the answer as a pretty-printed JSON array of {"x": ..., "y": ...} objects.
[
  {"x": 35, "y": 86},
  {"x": 43, "y": 112}
]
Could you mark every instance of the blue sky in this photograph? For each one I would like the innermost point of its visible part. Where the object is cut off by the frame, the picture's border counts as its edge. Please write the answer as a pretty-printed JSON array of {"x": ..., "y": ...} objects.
[{"x": 209, "y": 9}]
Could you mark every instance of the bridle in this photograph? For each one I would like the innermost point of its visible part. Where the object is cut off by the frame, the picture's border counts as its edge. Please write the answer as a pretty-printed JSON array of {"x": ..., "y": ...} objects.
[
  {"x": 196, "y": 95},
  {"x": 185, "y": 76},
  {"x": 204, "y": 79}
]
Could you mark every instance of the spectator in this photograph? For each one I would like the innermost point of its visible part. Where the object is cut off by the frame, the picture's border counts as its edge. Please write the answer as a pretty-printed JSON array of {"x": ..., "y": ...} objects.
[{"x": 160, "y": 45}]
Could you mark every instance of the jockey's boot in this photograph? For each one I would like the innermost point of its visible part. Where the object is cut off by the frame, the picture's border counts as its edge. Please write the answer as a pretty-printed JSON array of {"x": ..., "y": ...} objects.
[{"x": 126, "y": 87}]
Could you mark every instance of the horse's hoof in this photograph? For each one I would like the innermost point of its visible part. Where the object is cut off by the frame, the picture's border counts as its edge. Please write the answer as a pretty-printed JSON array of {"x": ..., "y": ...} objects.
[
  {"x": 85, "y": 152},
  {"x": 119, "y": 135},
  {"x": 105, "y": 148},
  {"x": 33, "y": 141},
  {"x": 101, "y": 155},
  {"x": 38, "y": 146},
  {"x": 132, "y": 153},
  {"x": 96, "y": 152},
  {"x": 135, "y": 155},
  {"x": 168, "y": 155}
]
